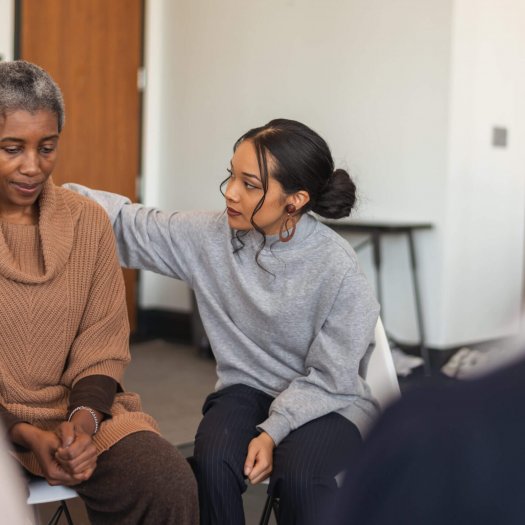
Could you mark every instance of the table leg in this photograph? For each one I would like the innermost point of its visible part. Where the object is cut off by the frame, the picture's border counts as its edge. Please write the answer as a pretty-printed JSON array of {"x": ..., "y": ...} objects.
[
  {"x": 376, "y": 244},
  {"x": 419, "y": 311}
]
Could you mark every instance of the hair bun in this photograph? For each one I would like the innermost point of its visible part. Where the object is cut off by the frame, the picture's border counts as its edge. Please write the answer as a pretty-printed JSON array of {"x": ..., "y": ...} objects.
[{"x": 338, "y": 197}]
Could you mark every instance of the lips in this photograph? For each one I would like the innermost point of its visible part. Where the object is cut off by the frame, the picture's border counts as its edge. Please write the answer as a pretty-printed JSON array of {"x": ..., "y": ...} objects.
[
  {"x": 232, "y": 213},
  {"x": 25, "y": 188}
]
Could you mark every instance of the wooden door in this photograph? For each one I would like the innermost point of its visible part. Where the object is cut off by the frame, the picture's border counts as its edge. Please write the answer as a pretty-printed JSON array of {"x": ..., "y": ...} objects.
[{"x": 93, "y": 49}]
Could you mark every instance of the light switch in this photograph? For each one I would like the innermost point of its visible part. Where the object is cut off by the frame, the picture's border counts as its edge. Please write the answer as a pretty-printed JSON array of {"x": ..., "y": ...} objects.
[{"x": 499, "y": 137}]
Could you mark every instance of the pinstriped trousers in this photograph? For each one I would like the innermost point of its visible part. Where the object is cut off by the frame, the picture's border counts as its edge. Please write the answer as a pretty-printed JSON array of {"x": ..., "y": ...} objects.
[{"x": 306, "y": 463}]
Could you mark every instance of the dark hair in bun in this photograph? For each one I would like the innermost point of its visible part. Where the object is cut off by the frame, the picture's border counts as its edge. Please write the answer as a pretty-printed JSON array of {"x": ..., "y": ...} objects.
[
  {"x": 302, "y": 161},
  {"x": 338, "y": 197}
]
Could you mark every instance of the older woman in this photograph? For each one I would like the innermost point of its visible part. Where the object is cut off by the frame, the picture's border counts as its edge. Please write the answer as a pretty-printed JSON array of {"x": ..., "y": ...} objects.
[{"x": 64, "y": 330}]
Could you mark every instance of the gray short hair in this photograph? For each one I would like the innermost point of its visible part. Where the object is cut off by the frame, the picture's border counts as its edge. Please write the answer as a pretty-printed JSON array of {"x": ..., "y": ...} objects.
[{"x": 26, "y": 86}]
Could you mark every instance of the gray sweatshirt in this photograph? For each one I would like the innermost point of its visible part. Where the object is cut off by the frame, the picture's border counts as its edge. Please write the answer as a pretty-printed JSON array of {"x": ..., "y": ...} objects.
[{"x": 301, "y": 329}]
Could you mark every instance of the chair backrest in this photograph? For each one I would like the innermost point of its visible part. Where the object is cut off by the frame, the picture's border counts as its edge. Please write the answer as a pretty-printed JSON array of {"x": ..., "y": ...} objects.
[{"x": 381, "y": 374}]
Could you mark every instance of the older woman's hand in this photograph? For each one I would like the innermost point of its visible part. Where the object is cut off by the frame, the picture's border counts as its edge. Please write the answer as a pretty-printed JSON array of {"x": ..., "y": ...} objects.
[
  {"x": 44, "y": 449},
  {"x": 259, "y": 460},
  {"x": 43, "y": 444},
  {"x": 76, "y": 453}
]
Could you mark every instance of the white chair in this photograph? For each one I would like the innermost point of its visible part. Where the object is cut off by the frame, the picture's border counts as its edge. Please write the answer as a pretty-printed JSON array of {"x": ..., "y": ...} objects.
[
  {"x": 382, "y": 380},
  {"x": 13, "y": 507},
  {"x": 381, "y": 374},
  {"x": 40, "y": 491}
]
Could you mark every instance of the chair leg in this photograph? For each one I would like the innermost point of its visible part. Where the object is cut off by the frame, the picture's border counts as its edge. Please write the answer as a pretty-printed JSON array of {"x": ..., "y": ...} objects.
[
  {"x": 275, "y": 507},
  {"x": 62, "y": 509},
  {"x": 267, "y": 511},
  {"x": 56, "y": 516},
  {"x": 66, "y": 513}
]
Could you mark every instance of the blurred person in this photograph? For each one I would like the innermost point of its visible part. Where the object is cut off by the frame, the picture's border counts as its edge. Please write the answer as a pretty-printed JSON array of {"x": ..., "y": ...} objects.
[
  {"x": 445, "y": 454},
  {"x": 64, "y": 333},
  {"x": 289, "y": 315},
  {"x": 15, "y": 511}
]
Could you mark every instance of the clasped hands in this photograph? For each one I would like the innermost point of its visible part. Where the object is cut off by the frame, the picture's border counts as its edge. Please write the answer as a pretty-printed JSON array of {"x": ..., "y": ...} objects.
[
  {"x": 67, "y": 456},
  {"x": 259, "y": 460}
]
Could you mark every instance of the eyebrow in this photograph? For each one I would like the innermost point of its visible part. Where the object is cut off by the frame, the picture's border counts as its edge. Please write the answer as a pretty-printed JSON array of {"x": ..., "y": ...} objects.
[
  {"x": 15, "y": 139},
  {"x": 250, "y": 175}
]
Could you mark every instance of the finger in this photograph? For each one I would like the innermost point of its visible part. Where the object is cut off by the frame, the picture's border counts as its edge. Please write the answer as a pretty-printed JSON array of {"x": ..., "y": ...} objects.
[
  {"x": 56, "y": 475},
  {"x": 262, "y": 468},
  {"x": 86, "y": 460},
  {"x": 66, "y": 433},
  {"x": 88, "y": 465},
  {"x": 264, "y": 475},
  {"x": 70, "y": 483},
  {"x": 251, "y": 457},
  {"x": 85, "y": 475},
  {"x": 82, "y": 443}
]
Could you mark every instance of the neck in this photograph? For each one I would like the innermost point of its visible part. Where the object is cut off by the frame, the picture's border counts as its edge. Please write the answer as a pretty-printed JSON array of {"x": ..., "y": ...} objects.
[{"x": 27, "y": 215}]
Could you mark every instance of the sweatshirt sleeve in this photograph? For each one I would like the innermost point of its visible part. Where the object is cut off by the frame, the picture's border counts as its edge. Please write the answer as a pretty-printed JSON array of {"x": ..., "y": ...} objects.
[
  {"x": 147, "y": 238},
  {"x": 331, "y": 380}
]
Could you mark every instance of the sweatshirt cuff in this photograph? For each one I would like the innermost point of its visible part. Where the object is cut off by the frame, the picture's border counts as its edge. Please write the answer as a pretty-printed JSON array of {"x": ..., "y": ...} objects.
[{"x": 276, "y": 426}]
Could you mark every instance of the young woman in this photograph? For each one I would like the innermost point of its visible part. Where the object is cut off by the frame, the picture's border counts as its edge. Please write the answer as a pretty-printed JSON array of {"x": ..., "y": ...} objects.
[
  {"x": 289, "y": 315},
  {"x": 64, "y": 330}
]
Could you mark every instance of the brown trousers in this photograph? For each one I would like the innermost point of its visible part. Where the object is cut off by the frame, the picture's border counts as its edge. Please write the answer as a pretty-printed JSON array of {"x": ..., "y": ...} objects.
[{"x": 141, "y": 480}]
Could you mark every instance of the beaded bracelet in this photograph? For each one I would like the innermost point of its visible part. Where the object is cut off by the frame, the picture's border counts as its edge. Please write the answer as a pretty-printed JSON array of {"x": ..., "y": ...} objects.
[{"x": 91, "y": 411}]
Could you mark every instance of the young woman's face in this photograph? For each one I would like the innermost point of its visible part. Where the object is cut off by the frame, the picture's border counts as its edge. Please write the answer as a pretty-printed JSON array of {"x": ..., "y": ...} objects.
[
  {"x": 244, "y": 190},
  {"x": 28, "y": 151}
]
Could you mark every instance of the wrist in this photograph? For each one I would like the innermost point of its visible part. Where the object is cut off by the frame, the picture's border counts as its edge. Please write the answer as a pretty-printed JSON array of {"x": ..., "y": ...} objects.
[
  {"x": 267, "y": 438},
  {"x": 85, "y": 419}
]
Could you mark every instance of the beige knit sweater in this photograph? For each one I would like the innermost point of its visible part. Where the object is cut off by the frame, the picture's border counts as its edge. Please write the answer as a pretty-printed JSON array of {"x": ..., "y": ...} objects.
[{"x": 63, "y": 316}]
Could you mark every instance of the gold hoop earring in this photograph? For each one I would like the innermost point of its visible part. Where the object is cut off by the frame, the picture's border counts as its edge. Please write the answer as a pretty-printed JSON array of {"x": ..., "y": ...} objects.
[{"x": 287, "y": 229}]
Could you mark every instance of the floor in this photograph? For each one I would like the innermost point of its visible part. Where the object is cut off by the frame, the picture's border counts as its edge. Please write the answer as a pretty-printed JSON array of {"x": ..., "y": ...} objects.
[{"x": 173, "y": 381}]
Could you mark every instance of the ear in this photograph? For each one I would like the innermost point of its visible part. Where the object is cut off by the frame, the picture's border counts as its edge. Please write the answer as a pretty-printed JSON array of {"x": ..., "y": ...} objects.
[{"x": 298, "y": 199}]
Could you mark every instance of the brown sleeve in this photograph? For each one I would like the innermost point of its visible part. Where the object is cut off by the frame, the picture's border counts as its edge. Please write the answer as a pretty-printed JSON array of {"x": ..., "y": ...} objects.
[{"x": 96, "y": 392}]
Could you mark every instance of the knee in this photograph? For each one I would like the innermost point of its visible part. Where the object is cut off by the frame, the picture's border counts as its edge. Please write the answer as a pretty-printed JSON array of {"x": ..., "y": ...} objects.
[
  {"x": 168, "y": 478},
  {"x": 298, "y": 485},
  {"x": 216, "y": 461},
  {"x": 162, "y": 473}
]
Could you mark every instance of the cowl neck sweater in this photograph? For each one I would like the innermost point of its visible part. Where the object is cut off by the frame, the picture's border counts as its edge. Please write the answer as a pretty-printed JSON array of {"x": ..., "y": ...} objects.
[
  {"x": 63, "y": 317},
  {"x": 56, "y": 232}
]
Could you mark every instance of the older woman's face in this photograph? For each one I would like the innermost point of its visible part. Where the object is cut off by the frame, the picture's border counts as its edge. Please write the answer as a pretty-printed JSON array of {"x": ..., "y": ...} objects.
[{"x": 28, "y": 152}]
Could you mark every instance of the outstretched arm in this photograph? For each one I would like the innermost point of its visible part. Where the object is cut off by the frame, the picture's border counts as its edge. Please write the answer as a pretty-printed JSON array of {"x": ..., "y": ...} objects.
[{"x": 147, "y": 238}]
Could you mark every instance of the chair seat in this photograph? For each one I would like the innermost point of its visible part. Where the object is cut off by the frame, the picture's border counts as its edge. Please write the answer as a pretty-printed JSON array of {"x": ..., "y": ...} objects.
[{"x": 40, "y": 491}]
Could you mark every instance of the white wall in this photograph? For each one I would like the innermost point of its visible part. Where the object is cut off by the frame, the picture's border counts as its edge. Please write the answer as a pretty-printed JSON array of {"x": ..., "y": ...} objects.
[
  {"x": 7, "y": 24},
  {"x": 359, "y": 72},
  {"x": 483, "y": 256},
  {"x": 406, "y": 94}
]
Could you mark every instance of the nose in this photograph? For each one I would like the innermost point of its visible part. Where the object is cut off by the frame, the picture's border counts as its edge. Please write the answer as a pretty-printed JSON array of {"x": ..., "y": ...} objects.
[
  {"x": 30, "y": 164},
  {"x": 231, "y": 193}
]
